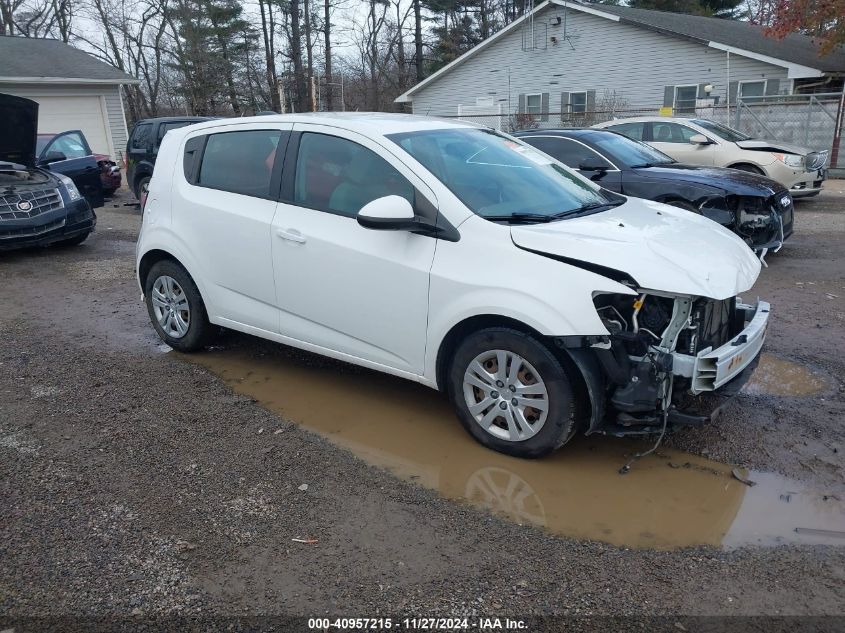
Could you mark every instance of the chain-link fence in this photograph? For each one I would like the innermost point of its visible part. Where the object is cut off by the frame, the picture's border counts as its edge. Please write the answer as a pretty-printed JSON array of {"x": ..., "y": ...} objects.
[{"x": 812, "y": 121}]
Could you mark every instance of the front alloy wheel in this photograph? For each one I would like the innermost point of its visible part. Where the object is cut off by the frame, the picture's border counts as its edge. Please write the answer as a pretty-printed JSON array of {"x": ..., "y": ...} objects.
[
  {"x": 512, "y": 393},
  {"x": 505, "y": 395}
]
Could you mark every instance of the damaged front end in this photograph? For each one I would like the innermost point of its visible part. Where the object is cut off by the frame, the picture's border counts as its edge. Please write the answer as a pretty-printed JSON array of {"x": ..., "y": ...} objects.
[
  {"x": 763, "y": 223},
  {"x": 667, "y": 360}
]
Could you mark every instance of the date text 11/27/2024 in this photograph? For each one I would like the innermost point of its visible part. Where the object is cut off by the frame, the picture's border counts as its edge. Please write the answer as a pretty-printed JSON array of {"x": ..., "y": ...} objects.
[{"x": 417, "y": 624}]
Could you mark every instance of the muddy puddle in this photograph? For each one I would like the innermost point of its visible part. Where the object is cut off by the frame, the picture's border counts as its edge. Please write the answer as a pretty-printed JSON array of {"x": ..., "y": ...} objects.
[
  {"x": 778, "y": 377},
  {"x": 668, "y": 500}
]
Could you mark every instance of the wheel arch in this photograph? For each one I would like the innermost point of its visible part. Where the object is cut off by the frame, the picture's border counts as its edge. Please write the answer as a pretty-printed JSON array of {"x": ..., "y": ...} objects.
[
  {"x": 584, "y": 393},
  {"x": 738, "y": 164}
]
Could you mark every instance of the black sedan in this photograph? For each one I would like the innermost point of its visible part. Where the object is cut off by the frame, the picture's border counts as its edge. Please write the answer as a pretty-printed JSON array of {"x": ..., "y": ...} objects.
[{"x": 756, "y": 208}]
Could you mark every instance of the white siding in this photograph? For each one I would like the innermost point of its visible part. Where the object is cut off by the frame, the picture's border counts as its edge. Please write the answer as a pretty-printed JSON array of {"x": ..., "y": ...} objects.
[
  {"x": 108, "y": 94},
  {"x": 603, "y": 55}
]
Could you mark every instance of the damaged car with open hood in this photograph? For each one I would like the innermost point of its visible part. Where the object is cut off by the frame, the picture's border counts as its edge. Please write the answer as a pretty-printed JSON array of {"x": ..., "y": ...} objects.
[
  {"x": 38, "y": 207},
  {"x": 542, "y": 304}
]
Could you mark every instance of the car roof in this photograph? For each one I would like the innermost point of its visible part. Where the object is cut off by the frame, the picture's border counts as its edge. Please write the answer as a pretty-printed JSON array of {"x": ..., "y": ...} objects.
[
  {"x": 167, "y": 119},
  {"x": 637, "y": 119},
  {"x": 574, "y": 132},
  {"x": 368, "y": 123}
]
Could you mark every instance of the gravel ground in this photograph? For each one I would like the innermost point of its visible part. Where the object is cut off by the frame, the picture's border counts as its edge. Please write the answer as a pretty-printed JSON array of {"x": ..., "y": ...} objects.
[{"x": 136, "y": 485}]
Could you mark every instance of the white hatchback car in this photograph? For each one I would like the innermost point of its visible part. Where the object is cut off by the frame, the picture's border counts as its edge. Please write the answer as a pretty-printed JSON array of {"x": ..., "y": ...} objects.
[
  {"x": 455, "y": 256},
  {"x": 704, "y": 142}
]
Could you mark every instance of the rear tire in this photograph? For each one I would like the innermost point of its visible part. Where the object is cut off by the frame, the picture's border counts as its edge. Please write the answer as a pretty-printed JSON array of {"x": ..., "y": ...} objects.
[
  {"x": 495, "y": 377},
  {"x": 176, "y": 308},
  {"x": 141, "y": 187}
]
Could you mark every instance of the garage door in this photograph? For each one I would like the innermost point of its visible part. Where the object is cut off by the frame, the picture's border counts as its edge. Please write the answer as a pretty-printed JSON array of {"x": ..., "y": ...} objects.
[{"x": 57, "y": 114}]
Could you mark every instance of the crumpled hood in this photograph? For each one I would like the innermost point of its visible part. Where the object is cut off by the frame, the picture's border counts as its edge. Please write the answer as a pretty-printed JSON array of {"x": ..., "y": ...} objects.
[
  {"x": 661, "y": 247},
  {"x": 18, "y": 129},
  {"x": 777, "y": 146},
  {"x": 732, "y": 181}
]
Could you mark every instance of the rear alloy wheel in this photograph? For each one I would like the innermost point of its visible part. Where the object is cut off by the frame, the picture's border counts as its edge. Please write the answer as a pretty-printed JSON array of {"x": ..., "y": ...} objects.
[
  {"x": 175, "y": 307},
  {"x": 511, "y": 393}
]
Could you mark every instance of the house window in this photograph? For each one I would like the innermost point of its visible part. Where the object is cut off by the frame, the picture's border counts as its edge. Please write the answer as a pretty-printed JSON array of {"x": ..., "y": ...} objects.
[
  {"x": 578, "y": 102},
  {"x": 534, "y": 104},
  {"x": 685, "y": 97},
  {"x": 751, "y": 90}
]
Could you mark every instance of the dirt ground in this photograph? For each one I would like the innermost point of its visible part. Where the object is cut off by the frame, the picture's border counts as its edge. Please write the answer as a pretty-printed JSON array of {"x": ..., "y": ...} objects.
[{"x": 139, "y": 485}]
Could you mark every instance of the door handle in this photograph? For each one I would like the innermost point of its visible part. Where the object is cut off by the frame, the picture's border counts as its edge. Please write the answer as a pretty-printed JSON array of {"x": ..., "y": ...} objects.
[{"x": 291, "y": 235}]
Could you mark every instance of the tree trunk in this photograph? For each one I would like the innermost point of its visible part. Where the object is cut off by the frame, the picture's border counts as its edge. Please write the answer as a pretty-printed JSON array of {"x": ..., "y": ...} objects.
[
  {"x": 269, "y": 56},
  {"x": 418, "y": 42},
  {"x": 296, "y": 56},
  {"x": 327, "y": 34},
  {"x": 309, "y": 52}
]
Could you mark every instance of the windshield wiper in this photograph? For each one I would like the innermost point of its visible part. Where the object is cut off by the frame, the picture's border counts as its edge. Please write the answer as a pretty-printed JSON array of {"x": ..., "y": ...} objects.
[
  {"x": 521, "y": 217},
  {"x": 592, "y": 207}
]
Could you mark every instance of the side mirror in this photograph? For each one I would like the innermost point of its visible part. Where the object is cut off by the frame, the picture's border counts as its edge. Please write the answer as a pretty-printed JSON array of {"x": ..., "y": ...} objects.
[
  {"x": 596, "y": 166},
  {"x": 53, "y": 157},
  {"x": 699, "y": 139},
  {"x": 390, "y": 213}
]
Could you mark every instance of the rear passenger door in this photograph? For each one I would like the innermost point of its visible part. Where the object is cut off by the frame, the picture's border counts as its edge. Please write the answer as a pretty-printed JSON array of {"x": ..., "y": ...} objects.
[
  {"x": 341, "y": 287},
  {"x": 223, "y": 209}
]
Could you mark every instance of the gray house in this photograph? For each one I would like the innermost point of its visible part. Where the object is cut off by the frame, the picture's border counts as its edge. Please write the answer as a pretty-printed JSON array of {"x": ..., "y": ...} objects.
[
  {"x": 565, "y": 59},
  {"x": 74, "y": 90}
]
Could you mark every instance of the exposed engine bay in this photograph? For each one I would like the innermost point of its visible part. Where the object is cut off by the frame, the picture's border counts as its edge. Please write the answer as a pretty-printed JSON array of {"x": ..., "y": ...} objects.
[
  {"x": 14, "y": 175},
  {"x": 656, "y": 360}
]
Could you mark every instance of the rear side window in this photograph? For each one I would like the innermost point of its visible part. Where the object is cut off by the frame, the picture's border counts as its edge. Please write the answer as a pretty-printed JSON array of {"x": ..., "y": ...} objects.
[
  {"x": 141, "y": 136},
  {"x": 340, "y": 176},
  {"x": 631, "y": 130},
  {"x": 240, "y": 162},
  {"x": 569, "y": 152}
]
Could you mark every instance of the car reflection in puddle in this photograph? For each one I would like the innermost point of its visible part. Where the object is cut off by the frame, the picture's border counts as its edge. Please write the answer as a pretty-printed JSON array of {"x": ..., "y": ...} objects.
[{"x": 577, "y": 492}]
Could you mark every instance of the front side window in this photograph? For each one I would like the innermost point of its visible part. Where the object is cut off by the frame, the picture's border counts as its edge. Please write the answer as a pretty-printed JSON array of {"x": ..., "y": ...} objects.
[
  {"x": 630, "y": 153},
  {"x": 340, "y": 176},
  {"x": 578, "y": 102},
  {"x": 685, "y": 97},
  {"x": 722, "y": 131},
  {"x": 141, "y": 136},
  {"x": 666, "y": 132},
  {"x": 571, "y": 153},
  {"x": 240, "y": 162},
  {"x": 72, "y": 145},
  {"x": 534, "y": 104},
  {"x": 498, "y": 178}
]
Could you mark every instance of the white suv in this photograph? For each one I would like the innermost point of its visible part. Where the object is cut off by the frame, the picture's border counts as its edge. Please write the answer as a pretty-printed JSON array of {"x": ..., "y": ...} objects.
[{"x": 454, "y": 256}]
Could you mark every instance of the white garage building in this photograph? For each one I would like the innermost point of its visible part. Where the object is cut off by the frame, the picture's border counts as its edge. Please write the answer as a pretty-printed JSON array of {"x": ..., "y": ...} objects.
[{"x": 74, "y": 90}]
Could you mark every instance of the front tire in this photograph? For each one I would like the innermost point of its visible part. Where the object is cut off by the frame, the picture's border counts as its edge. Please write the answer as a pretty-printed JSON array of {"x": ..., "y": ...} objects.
[
  {"x": 176, "y": 308},
  {"x": 751, "y": 169},
  {"x": 511, "y": 393}
]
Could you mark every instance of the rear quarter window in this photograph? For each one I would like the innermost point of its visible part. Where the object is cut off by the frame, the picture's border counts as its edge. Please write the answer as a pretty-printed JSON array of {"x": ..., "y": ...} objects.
[
  {"x": 141, "y": 136},
  {"x": 239, "y": 162}
]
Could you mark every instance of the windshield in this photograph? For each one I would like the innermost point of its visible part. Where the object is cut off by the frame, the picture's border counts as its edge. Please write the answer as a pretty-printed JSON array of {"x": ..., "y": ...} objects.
[
  {"x": 630, "y": 152},
  {"x": 498, "y": 178},
  {"x": 723, "y": 131}
]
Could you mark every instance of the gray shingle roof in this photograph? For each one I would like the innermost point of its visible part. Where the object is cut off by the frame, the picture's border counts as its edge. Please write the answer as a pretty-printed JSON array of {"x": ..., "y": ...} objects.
[
  {"x": 795, "y": 48},
  {"x": 43, "y": 58}
]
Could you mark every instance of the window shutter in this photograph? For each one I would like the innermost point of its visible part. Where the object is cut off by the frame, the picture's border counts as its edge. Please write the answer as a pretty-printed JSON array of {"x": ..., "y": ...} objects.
[
  {"x": 564, "y": 105},
  {"x": 545, "y": 106},
  {"x": 773, "y": 86},
  {"x": 521, "y": 107},
  {"x": 591, "y": 101},
  {"x": 733, "y": 88},
  {"x": 701, "y": 92},
  {"x": 668, "y": 96}
]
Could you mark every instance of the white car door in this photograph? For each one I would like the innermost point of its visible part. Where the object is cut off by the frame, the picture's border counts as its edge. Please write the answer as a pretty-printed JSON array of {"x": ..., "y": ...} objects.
[
  {"x": 673, "y": 139},
  {"x": 340, "y": 286},
  {"x": 225, "y": 213}
]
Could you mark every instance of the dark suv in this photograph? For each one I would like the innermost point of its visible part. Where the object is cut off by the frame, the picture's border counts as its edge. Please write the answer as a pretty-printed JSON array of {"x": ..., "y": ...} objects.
[
  {"x": 142, "y": 148},
  {"x": 37, "y": 206}
]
